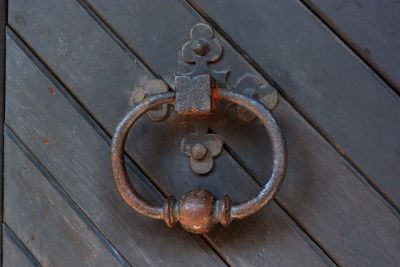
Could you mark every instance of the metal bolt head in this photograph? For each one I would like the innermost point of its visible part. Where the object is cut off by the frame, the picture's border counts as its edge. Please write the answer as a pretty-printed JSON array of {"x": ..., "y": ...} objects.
[
  {"x": 198, "y": 151},
  {"x": 200, "y": 47}
]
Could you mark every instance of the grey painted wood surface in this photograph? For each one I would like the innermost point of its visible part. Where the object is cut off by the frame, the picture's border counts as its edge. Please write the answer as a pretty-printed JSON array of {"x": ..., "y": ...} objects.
[
  {"x": 102, "y": 75},
  {"x": 75, "y": 153},
  {"x": 372, "y": 29},
  {"x": 355, "y": 110},
  {"x": 14, "y": 255},
  {"x": 334, "y": 204},
  {"x": 87, "y": 161},
  {"x": 3, "y": 18},
  {"x": 326, "y": 194},
  {"x": 49, "y": 228}
]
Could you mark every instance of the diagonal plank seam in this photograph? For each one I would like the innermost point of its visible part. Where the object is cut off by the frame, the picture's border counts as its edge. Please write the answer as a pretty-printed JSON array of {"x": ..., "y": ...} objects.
[
  {"x": 327, "y": 22},
  {"x": 130, "y": 51},
  {"x": 17, "y": 241},
  {"x": 363, "y": 176},
  {"x": 83, "y": 111},
  {"x": 316, "y": 245},
  {"x": 78, "y": 105},
  {"x": 68, "y": 199},
  {"x": 133, "y": 54},
  {"x": 3, "y": 21}
]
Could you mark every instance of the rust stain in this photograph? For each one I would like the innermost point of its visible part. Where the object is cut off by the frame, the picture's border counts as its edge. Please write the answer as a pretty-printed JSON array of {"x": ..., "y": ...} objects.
[
  {"x": 214, "y": 97},
  {"x": 52, "y": 91},
  {"x": 367, "y": 52},
  {"x": 45, "y": 141},
  {"x": 32, "y": 237}
]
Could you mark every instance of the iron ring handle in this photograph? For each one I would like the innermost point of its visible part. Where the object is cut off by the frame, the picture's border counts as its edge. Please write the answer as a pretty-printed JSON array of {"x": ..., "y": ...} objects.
[{"x": 198, "y": 211}]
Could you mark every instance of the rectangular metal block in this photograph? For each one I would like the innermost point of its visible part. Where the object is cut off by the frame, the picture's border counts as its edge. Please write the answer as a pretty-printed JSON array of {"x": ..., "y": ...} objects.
[{"x": 193, "y": 94}]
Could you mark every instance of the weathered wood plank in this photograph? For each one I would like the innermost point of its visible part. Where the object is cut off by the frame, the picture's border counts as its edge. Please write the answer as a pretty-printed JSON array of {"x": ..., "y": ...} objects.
[
  {"x": 370, "y": 27},
  {"x": 86, "y": 162},
  {"x": 325, "y": 193},
  {"x": 14, "y": 254},
  {"x": 3, "y": 18},
  {"x": 323, "y": 206},
  {"x": 44, "y": 222},
  {"x": 80, "y": 160},
  {"x": 350, "y": 105}
]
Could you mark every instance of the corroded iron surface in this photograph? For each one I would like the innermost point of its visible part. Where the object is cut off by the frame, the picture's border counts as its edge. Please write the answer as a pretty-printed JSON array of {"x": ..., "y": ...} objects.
[
  {"x": 198, "y": 210},
  {"x": 193, "y": 94}
]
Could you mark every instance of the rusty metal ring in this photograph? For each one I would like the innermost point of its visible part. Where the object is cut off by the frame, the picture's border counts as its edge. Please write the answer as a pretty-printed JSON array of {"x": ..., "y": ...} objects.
[{"x": 198, "y": 210}]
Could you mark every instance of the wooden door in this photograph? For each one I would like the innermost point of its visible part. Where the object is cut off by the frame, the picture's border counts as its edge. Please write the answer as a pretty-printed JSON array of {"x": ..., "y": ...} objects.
[{"x": 72, "y": 67}]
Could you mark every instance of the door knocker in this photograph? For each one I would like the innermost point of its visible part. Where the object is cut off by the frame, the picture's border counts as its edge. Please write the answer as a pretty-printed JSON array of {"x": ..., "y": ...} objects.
[{"x": 199, "y": 92}]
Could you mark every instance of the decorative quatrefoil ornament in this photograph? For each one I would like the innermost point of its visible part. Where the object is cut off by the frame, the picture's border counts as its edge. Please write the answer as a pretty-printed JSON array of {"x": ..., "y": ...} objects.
[
  {"x": 201, "y": 51},
  {"x": 201, "y": 149}
]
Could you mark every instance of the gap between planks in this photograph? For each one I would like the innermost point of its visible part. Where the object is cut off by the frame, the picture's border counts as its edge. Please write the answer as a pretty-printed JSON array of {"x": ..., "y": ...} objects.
[
  {"x": 363, "y": 175},
  {"x": 123, "y": 44},
  {"x": 82, "y": 110},
  {"x": 316, "y": 246},
  {"x": 67, "y": 198},
  {"x": 3, "y": 21},
  {"x": 352, "y": 45},
  {"x": 7, "y": 231}
]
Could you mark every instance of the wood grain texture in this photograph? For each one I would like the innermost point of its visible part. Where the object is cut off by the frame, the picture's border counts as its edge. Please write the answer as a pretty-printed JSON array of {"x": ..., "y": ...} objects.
[
  {"x": 49, "y": 228},
  {"x": 80, "y": 159},
  {"x": 370, "y": 27},
  {"x": 3, "y": 18},
  {"x": 14, "y": 254},
  {"x": 355, "y": 110},
  {"x": 322, "y": 188},
  {"x": 77, "y": 155},
  {"x": 324, "y": 192}
]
